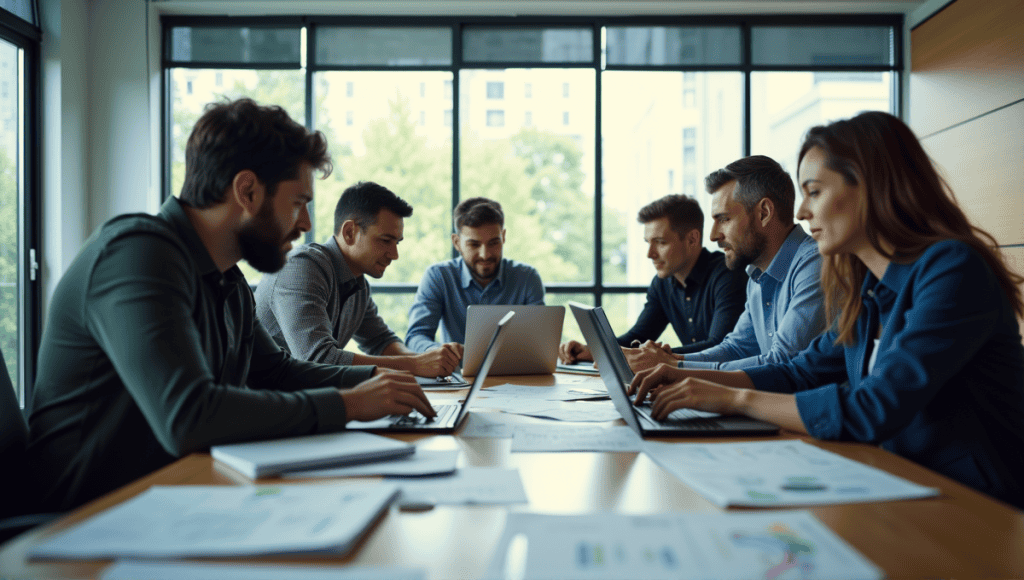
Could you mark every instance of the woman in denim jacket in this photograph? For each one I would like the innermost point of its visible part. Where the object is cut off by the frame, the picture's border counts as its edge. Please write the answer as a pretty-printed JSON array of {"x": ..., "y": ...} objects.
[{"x": 923, "y": 355}]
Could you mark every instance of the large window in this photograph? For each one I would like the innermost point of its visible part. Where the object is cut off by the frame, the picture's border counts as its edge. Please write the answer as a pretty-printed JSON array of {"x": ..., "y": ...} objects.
[
  {"x": 572, "y": 124},
  {"x": 19, "y": 286}
]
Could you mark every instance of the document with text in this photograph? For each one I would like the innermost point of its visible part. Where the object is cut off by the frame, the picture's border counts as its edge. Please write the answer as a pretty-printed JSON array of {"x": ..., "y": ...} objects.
[
  {"x": 778, "y": 473},
  {"x": 202, "y": 521},
  {"x": 675, "y": 546}
]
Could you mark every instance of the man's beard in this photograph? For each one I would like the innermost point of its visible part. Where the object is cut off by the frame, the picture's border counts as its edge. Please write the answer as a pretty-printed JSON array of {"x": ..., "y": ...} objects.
[
  {"x": 744, "y": 256},
  {"x": 262, "y": 242}
]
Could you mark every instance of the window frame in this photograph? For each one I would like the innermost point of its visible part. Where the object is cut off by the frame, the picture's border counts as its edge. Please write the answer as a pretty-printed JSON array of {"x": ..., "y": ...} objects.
[
  {"x": 596, "y": 288},
  {"x": 28, "y": 38}
]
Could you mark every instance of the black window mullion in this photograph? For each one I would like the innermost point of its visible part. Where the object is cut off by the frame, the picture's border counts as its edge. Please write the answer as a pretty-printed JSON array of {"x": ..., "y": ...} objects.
[
  {"x": 310, "y": 107},
  {"x": 598, "y": 169},
  {"x": 746, "y": 56},
  {"x": 456, "y": 125}
]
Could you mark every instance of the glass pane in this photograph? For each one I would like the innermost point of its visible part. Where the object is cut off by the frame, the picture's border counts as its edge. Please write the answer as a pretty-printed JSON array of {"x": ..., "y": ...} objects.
[
  {"x": 784, "y": 105},
  {"x": 193, "y": 89},
  {"x": 658, "y": 45},
  {"x": 570, "y": 328},
  {"x": 486, "y": 44},
  {"x": 11, "y": 147},
  {"x": 539, "y": 167},
  {"x": 390, "y": 127},
  {"x": 241, "y": 45},
  {"x": 623, "y": 310},
  {"x": 22, "y": 9},
  {"x": 384, "y": 46},
  {"x": 822, "y": 45},
  {"x": 662, "y": 133}
]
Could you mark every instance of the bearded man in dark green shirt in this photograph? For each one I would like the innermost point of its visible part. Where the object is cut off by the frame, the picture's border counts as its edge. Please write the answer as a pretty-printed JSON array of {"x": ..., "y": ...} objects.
[{"x": 152, "y": 350}]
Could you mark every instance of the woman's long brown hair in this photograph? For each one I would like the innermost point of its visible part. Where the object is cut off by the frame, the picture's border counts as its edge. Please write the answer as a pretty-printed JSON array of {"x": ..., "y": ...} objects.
[{"x": 907, "y": 204}]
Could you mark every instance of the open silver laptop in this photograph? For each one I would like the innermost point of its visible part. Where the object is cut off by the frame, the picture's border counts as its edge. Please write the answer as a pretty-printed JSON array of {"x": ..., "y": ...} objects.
[
  {"x": 531, "y": 341},
  {"x": 617, "y": 375},
  {"x": 449, "y": 417}
]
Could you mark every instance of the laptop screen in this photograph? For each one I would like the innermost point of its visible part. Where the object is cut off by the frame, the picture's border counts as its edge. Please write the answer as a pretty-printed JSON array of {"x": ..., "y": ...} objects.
[
  {"x": 611, "y": 363},
  {"x": 497, "y": 337}
]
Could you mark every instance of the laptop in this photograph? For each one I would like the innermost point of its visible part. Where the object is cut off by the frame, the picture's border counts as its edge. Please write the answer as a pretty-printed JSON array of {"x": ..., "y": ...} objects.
[
  {"x": 617, "y": 375},
  {"x": 531, "y": 342},
  {"x": 449, "y": 416}
]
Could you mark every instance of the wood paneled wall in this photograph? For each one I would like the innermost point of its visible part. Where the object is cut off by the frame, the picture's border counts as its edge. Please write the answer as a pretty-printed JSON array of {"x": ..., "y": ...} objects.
[{"x": 967, "y": 106}]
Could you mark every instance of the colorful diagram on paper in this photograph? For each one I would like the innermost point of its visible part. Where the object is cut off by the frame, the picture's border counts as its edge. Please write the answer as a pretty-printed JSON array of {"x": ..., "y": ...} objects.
[{"x": 785, "y": 554}]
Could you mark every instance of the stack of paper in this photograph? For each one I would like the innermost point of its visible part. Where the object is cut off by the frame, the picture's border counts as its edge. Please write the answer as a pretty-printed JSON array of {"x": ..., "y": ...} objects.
[
  {"x": 263, "y": 458},
  {"x": 778, "y": 473},
  {"x": 225, "y": 521},
  {"x": 682, "y": 546}
]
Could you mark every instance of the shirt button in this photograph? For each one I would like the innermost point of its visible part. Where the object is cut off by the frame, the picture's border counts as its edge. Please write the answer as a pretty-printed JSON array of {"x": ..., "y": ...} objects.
[
  {"x": 871, "y": 293},
  {"x": 767, "y": 303},
  {"x": 687, "y": 298},
  {"x": 771, "y": 334},
  {"x": 689, "y": 320},
  {"x": 693, "y": 340}
]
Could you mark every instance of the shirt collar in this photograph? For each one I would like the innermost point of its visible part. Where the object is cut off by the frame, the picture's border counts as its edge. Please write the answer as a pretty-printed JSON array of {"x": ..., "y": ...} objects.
[
  {"x": 467, "y": 276},
  {"x": 345, "y": 276},
  {"x": 779, "y": 266},
  {"x": 896, "y": 277},
  {"x": 699, "y": 273},
  {"x": 174, "y": 212}
]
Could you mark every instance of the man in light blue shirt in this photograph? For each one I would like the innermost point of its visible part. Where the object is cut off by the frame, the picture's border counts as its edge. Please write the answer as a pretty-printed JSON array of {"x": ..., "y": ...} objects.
[
  {"x": 480, "y": 275},
  {"x": 752, "y": 213}
]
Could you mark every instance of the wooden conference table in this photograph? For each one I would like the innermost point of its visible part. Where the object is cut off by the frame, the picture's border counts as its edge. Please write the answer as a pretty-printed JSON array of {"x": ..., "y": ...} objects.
[{"x": 960, "y": 534}]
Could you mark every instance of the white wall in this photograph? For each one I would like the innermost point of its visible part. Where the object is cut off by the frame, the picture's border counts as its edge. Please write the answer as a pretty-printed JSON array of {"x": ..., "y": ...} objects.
[{"x": 98, "y": 117}]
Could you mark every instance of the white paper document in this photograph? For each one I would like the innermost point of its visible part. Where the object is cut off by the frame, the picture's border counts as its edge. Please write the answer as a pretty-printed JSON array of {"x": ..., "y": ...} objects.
[
  {"x": 559, "y": 392},
  {"x": 199, "y": 521},
  {"x": 677, "y": 546},
  {"x": 528, "y": 438},
  {"x": 484, "y": 425},
  {"x": 419, "y": 464},
  {"x": 778, "y": 473},
  {"x": 254, "y": 571},
  {"x": 578, "y": 411},
  {"x": 468, "y": 486}
]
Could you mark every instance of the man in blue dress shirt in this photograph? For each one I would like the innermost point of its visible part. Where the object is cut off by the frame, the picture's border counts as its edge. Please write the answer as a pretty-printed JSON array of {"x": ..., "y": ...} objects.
[
  {"x": 752, "y": 214},
  {"x": 480, "y": 275}
]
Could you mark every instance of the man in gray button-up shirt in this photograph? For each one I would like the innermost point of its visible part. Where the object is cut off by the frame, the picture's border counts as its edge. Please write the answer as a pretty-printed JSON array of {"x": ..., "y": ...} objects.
[
  {"x": 151, "y": 349},
  {"x": 320, "y": 299},
  {"x": 752, "y": 211}
]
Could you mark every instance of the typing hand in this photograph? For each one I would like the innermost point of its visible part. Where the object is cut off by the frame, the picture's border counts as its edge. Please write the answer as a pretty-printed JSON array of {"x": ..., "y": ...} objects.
[
  {"x": 439, "y": 362},
  {"x": 648, "y": 381},
  {"x": 387, "y": 393},
  {"x": 455, "y": 348},
  {"x": 573, "y": 351},
  {"x": 692, "y": 393},
  {"x": 648, "y": 355}
]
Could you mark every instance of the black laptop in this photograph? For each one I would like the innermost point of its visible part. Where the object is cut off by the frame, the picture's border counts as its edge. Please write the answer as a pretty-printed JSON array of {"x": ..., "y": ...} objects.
[
  {"x": 617, "y": 375},
  {"x": 449, "y": 417}
]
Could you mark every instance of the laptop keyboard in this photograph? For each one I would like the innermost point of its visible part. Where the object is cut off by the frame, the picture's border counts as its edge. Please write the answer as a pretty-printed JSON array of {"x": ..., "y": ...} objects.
[
  {"x": 684, "y": 419},
  {"x": 415, "y": 418}
]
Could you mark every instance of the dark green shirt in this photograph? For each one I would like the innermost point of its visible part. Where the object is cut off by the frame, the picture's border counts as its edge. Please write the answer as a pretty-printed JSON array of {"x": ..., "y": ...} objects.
[{"x": 151, "y": 353}]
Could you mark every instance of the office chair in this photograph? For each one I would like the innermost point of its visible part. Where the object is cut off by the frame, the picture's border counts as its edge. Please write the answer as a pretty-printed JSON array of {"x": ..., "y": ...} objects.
[{"x": 14, "y": 516}]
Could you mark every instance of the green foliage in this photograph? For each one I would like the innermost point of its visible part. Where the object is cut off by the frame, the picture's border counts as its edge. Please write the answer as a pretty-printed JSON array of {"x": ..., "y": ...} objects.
[{"x": 538, "y": 177}]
